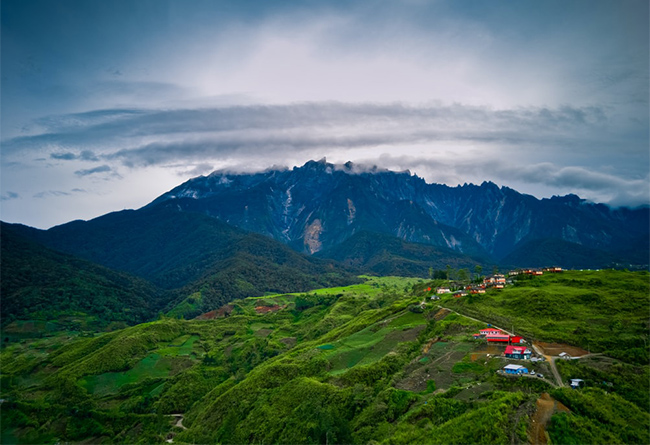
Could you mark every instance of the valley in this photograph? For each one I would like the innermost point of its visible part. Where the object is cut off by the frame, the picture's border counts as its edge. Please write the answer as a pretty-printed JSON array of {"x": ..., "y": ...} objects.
[{"x": 375, "y": 361}]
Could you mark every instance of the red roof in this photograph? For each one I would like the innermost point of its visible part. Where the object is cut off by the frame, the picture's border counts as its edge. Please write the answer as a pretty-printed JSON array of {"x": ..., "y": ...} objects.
[
  {"x": 504, "y": 338},
  {"x": 515, "y": 349},
  {"x": 489, "y": 331}
]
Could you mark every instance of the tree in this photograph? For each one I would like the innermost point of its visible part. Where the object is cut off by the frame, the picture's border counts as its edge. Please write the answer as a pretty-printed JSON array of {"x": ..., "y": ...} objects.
[{"x": 478, "y": 270}]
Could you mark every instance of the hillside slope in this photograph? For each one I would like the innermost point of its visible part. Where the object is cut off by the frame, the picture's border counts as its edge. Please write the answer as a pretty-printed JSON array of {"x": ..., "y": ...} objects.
[
  {"x": 36, "y": 279},
  {"x": 189, "y": 252},
  {"x": 383, "y": 254},
  {"x": 363, "y": 363}
]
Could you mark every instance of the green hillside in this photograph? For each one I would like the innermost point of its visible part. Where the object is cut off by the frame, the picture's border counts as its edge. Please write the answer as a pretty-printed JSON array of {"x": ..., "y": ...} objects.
[
  {"x": 173, "y": 249},
  {"x": 603, "y": 311},
  {"x": 357, "y": 364},
  {"x": 42, "y": 283},
  {"x": 383, "y": 254}
]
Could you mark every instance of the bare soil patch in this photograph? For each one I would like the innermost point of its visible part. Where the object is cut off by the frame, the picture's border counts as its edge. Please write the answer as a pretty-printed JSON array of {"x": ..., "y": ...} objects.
[
  {"x": 267, "y": 309},
  {"x": 557, "y": 348},
  {"x": 263, "y": 332},
  {"x": 485, "y": 349},
  {"x": 442, "y": 313},
  {"x": 289, "y": 341},
  {"x": 546, "y": 406}
]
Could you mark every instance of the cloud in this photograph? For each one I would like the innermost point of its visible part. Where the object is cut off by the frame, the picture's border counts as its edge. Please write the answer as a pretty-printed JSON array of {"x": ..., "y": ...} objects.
[
  {"x": 50, "y": 193},
  {"x": 197, "y": 170},
  {"x": 585, "y": 182},
  {"x": 95, "y": 170},
  {"x": 8, "y": 195},
  {"x": 63, "y": 156},
  {"x": 85, "y": 155},
  {"x": 561, "y": 149}
]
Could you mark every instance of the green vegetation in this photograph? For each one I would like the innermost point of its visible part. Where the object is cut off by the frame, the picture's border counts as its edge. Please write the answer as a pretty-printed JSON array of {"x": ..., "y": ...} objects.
[
  {"x": 39, "y": 283},
  {"x": 370, "y": 362},
  {"x": 602, "y": 311}
]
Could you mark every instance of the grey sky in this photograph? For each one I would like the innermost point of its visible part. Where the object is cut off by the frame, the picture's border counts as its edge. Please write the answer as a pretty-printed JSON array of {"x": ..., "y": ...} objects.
[{"x": 106, "y": 105}]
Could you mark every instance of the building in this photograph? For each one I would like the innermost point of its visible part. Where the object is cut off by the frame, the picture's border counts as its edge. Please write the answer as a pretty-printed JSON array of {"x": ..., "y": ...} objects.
[
  {"x": 494, "y": 279},
  {"x": 515, "y": 369},
  {"x": 518, "y": 352},
  {"x": 497, "y": 335},
  {"x": 575, "y": 383}
]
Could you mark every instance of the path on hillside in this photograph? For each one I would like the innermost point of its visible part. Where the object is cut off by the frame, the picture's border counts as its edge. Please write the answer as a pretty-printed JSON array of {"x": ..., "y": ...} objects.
[
  {"x": 545, "y": 406},
  {"x": 179, "y": 424},
  {"x": 551, "y": 362}
]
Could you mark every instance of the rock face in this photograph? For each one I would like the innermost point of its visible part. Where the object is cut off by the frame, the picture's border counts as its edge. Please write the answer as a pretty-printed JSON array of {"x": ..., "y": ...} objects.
[{"x": 319, "y": 205}]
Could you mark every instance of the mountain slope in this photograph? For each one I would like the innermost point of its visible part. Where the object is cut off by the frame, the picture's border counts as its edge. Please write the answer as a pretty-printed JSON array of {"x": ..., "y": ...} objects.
[
  {"x": 551, "y": 251},
  {"x": 320, "y": 205},
  {"x": 191, "y": 252},
  {"x": 387, "y": 255},
  {"x": 37, "y": 279}
]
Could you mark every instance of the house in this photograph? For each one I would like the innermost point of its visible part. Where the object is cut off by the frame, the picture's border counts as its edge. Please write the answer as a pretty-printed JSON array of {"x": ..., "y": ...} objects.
[
  {"x": 515, "y": 369},
  {"x": 491, "y": 331},
  {"x": 518, "y": 352},
  {"x": 564, "y": 355},
  {"x": 575, "y": 383},
  {"x": 459, "y": 294},
  {"x": 492, "y": 279},
  {"x": 435, "y": 297},
  {"x": 497, "y": 335},
  {"x": 443, "y": 290}
]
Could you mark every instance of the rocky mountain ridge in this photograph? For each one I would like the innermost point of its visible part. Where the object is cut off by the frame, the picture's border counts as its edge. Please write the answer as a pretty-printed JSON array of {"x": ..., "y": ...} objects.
[{"x": 319, "y": 205}]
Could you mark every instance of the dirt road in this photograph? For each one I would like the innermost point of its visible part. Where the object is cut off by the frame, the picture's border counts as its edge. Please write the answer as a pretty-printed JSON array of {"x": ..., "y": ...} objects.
[{"x": 551, "y": 362}]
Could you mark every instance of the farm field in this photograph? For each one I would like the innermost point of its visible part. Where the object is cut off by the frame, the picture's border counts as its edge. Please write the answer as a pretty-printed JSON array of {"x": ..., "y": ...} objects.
[{"x": 376, "y": 361}]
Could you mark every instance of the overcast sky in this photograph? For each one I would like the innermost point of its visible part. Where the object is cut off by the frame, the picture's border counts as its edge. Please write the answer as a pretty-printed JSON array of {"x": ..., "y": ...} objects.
[{"x": 107, "y": 104}]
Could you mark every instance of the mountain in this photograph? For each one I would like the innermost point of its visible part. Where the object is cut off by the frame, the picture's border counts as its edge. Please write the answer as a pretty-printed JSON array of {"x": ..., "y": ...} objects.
[
  {"x": 383, "y": 254},
  {"x": 37, "y": 279},
  {"x": 189, "y": 252},
  {"x": 320, "y": 205},
  {"x": 549, "y": 251}
]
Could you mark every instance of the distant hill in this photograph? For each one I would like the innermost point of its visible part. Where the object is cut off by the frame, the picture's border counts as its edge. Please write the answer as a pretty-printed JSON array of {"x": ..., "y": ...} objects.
[
  {"x": 189, "y": 252},
  {"x": 37, "y": 279},
  {"x": 383, "y": 254},
  {"x": 321, "y": 205},
  {"x": 557, "y": 252}
]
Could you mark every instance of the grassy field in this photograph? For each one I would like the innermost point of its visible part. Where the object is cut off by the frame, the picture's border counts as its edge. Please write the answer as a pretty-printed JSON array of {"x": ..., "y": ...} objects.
[{"x": 597, "y": 310}]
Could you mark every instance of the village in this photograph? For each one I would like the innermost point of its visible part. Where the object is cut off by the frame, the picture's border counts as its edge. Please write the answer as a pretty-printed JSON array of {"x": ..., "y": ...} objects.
[{"x": 516, "y": 351}]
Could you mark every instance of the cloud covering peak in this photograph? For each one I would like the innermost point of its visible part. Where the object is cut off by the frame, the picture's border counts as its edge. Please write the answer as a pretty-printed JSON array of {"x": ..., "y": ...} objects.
[{"x": 453, "y": 91}]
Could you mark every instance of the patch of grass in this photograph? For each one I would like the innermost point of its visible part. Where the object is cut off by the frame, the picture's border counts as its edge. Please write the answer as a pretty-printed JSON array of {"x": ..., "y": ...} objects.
[{"x": 152, "y": 366}]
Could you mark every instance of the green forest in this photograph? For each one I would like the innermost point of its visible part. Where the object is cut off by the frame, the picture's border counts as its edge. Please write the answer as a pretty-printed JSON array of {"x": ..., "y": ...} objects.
[{"x": 378, "y": 361}]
